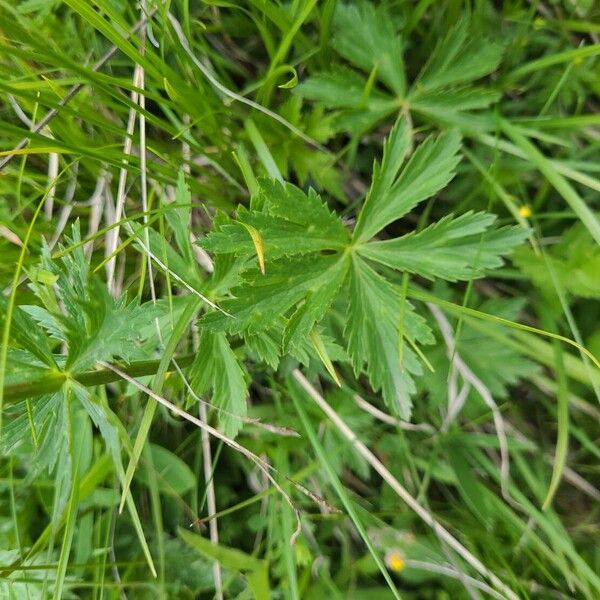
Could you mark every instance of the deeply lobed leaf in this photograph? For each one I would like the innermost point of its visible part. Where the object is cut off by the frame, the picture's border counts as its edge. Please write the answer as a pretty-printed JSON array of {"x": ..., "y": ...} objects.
[
  {"x": 460, "y": 57},
  {"x": 443, "y": 91},
  {"x": 453, "y": 248},
  {"x": 217, "y": 368},
  {"x": 309, "y": 258},
  {"x": 263, "y": 300},
  {"x": 341, "y": 88},
  {"x": 397, "y": 189},
  {"x": 289, "y": 222},
  {"x": 365, "y": 35},
  {"x": 373, "y": 335}
]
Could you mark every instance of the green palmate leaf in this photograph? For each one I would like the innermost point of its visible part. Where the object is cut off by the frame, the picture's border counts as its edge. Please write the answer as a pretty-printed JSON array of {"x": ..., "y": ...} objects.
[
  {"x": 93, "y": 325},
  {"x": 478, "y": 346},
  {"x": 453, "y": 248},
  {"x": 373, "y": 336},
  {"x": 365, "y": 35},
  {"x": 396, "y": 189},
  {"x": 342, "y": 88},
  {"x": 288, "y": 221},
  {"x": 276, "y": 308},
  {"x": 262, "y": 300},
  {"x": 459, "y": 58},
  {"x": 113, "y": 329},
  {"x": 575, "y": 261},
  {"x": 26, "y": 333},
  {"x": 217, "y": 368},
  {"x": 446, "y": 106},
  {"x": 443, "y": 91}
]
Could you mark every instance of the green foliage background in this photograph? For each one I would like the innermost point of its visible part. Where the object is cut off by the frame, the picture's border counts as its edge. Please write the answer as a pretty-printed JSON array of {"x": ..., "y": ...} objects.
[{"x": 229, "y": 228}]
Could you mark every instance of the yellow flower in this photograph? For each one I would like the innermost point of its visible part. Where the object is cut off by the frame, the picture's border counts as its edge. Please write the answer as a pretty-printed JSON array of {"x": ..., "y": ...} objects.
[
  {"x": 394, "y": 560},
  {"x": 525, "y": 211}
]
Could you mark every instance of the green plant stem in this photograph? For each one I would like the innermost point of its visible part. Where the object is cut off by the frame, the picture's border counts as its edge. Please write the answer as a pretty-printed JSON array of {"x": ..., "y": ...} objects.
[{"x": 52, "y": 381}]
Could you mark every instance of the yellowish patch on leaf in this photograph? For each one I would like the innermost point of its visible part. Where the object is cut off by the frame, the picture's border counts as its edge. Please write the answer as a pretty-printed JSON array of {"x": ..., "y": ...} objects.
[{"x": 259, "y": 245}]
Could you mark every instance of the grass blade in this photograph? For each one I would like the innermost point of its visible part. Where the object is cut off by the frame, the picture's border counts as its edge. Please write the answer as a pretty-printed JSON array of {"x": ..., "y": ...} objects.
[{"x": 562, "y": 186}]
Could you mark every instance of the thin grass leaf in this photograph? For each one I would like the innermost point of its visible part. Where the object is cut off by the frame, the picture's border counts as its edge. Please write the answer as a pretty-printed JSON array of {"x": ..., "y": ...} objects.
[
  {"x": 262, "y": 150},
  {"x": 142, "y": 435},
  {"x": 338, "y": 487},
  {"x": 562, "y": 441},
  {"x": 571, "y": 197},
  {"x": 421, "y": 295}
]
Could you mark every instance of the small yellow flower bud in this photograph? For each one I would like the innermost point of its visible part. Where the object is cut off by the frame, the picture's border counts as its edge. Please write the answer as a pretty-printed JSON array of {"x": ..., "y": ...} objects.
[
  {"x": 525, "y": 211},
  {"x": 395, "y": 560}
]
